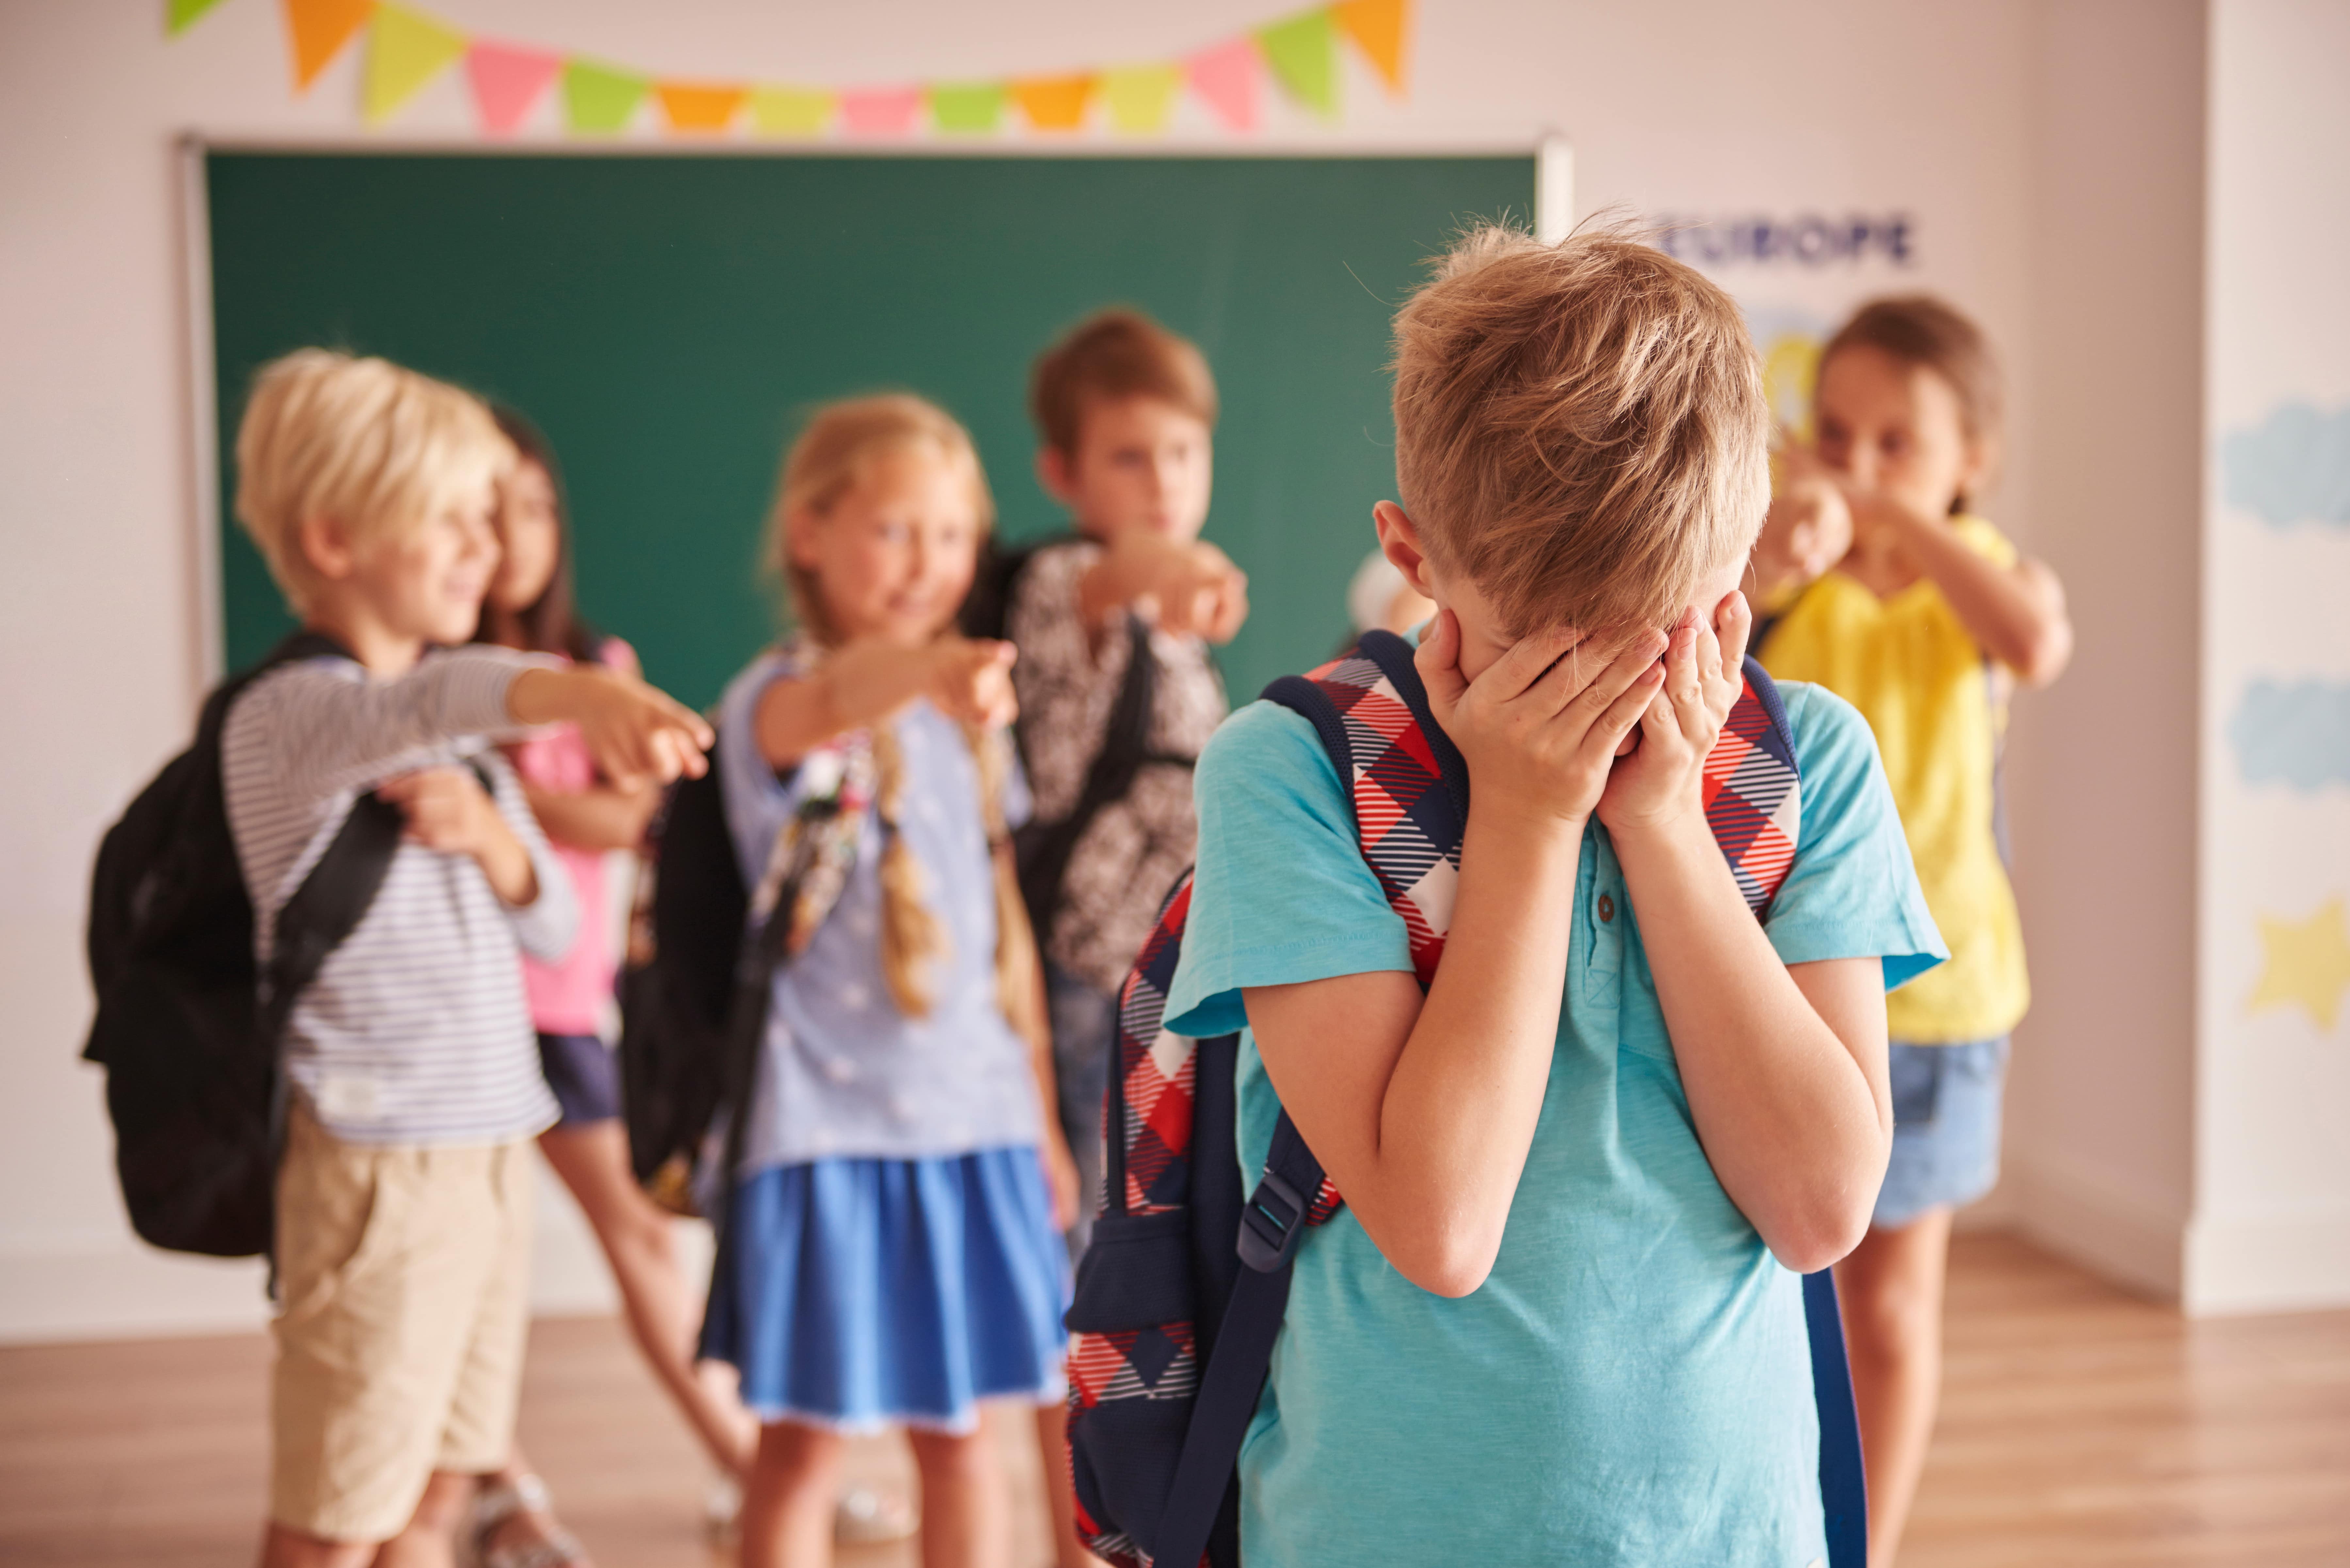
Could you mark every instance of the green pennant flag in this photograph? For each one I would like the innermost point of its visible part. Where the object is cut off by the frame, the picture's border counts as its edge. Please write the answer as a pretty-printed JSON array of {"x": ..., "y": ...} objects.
[
  {"x": 179, "y": 15},
  {"x": 969, "y": 107},
  {"x": 599, "y": 99},
  {"x": 405, "y": 50},
  {"x": 1302, "y": 52}
]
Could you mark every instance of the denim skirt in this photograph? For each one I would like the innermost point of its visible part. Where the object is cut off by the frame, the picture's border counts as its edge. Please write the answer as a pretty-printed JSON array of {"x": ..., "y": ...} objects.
[{"x": 1945, "y": 1118}]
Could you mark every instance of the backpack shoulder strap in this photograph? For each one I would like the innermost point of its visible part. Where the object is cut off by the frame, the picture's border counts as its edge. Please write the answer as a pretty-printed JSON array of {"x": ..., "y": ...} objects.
[
  {"x": 1404, "y": 778},
  {"x": 1047, "y": 849},
  {"x": 1753, "y": 790}
]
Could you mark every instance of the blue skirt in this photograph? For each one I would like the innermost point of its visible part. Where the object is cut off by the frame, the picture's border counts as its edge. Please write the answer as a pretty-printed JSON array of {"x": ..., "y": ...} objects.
[
  {"x": 856, "y": 1294},
  {"x": 1946, "y": 1123}
]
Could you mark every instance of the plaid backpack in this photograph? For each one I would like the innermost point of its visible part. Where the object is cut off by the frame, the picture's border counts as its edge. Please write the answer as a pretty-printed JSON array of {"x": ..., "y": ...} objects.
[{"x": 1173, "y": 1324}]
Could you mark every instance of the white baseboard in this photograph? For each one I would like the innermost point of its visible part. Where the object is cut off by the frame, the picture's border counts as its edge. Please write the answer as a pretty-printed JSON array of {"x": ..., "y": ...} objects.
[
  {"x": 117, "y": 1287},
  {"x": 2134, "y": 1243},
  {"x": 2267, "y": 1263},
  {"x": 126, "y": 1291}
]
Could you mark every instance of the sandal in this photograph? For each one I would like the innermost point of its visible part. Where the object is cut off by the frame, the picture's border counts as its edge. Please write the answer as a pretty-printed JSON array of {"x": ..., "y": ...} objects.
[
  {"x": 864, "y": 1517},
  {"x": 500, "y": 1501}
]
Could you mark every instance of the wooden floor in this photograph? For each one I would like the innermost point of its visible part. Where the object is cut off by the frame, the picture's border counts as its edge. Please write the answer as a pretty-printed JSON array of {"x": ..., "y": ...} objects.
[{"x": 2080, "y": 1428}]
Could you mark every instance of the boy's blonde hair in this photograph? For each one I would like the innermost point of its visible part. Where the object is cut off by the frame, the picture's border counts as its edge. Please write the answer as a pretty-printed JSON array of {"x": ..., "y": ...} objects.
[
  {"x": 834, "y": 452},
  {"x": 370, "y": 444},
  {"x": 840, "y": 443},
  {"x": 1116, "y": 354},
  {"x": 1580, "y": 428}
]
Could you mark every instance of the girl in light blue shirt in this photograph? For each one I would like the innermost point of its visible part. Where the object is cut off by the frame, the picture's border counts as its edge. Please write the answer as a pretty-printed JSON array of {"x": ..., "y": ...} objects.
[{"x": 892, "y": 1253}]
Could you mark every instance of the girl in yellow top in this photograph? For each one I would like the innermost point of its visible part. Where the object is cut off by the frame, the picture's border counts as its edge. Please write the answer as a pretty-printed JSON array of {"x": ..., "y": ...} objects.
[{"x": 1890, "y": 593}]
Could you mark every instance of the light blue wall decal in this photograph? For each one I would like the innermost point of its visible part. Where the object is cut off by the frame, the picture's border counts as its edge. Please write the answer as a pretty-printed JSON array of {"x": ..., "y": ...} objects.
[
  {"x": 2292, "y": 467},
  {"x": 2294, "y": 734}
]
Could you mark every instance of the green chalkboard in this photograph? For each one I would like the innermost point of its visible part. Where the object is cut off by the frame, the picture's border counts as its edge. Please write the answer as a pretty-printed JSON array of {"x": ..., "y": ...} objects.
[{"x": 668, "y": 321}]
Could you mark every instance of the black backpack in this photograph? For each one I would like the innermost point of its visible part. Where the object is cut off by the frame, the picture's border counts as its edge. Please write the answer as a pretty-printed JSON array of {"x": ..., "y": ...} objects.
[
  {"x": 694, "y": 990},
  {"x": 188, "y": 1032},
  {"x": 1042, "y": 849}
]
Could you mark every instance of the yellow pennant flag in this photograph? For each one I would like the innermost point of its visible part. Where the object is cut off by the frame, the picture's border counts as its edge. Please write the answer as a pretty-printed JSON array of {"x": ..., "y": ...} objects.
[
  {"x": 790, "y": 110},
  {"x": 1377, "y": 27},
  {"x": 1140, "y": 98},
  {"x": 405, "y": 50},
  {"x": 318, "y": 30}
]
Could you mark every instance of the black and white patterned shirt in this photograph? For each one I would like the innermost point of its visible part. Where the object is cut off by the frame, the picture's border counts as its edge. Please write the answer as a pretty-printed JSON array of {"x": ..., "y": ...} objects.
[
  {"x": 417, "y": 1031},
  {"x": 1068, "y": 682}
]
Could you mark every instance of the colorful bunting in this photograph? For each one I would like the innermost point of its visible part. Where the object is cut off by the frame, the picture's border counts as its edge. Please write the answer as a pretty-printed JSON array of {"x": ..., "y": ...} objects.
[
  {"x": 1300, "y": 51},
  {"x": 705, "y": 107},
  {"x": 966, "y": 109},
  {"x": 790, "y": 112},
  {"x": 1054, "y": 103},
  {"x": 405, "y": 50},
  {"x": 179, "y": 14},
  {"x": 1377, "y": 28},
  {"x": 507, "y": 83},
  {"x": 317, "y": 31},
  {"x": 1140, "y": 98},
  {"x": 880, "y": 111},
  {"x": 1225, "y": 78},
  {"x": 601, "y": 99}
]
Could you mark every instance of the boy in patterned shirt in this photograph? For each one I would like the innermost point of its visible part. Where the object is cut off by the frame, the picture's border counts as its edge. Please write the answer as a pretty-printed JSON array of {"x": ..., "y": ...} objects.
[{"x": 1118, "y": 692}]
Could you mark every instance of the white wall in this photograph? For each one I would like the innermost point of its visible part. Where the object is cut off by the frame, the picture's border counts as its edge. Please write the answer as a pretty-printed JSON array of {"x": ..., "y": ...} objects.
[
  {"x": 1700, "y": 106},
  {"x": 2104, "y": 771},
  {"x": 2272, "y": 1214}
]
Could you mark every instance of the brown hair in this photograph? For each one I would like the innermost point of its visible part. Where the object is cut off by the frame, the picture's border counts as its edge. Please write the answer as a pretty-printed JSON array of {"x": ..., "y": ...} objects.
[
  {"x": 372, "y": 444},
  {"x": 840, "y": 443},
  {"x": 551, "y": 624},
  {"x": 1919, "y": 330},
  {"x": 1580, "y": 427},
  {"x": 1110, "y": 355}
]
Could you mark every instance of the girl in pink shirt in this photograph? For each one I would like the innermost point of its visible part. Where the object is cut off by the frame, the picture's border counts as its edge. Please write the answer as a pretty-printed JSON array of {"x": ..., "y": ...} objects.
[{"x": 585, "y": 817}]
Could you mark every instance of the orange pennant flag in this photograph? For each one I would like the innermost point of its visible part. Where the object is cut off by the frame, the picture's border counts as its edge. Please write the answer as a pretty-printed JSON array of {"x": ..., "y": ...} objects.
[
  {"x": 318, "y": 30},
  {"x": 1054, "y": 103},
  {"x": 1377, "y": 27},
  {"x": 699, "y": 106}
]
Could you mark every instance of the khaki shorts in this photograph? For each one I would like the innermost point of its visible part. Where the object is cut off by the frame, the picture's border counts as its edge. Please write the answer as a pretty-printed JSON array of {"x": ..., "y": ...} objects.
[{"x": 405, "y": 1275}]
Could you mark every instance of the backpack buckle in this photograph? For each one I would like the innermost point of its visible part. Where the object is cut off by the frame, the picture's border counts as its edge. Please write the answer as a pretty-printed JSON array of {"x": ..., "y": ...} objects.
[{"x": 1271, "y": 1224}]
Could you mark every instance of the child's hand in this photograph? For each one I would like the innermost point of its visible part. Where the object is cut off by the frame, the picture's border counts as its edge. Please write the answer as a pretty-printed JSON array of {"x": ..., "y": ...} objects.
[
  {"x": 636, "y": 735},
  {"x": 1662, "y": 779},
  {"x": 1060, "y": 1178},
  {"x": 970, "y": 681},
  {"x": 1540, "y": 727},
  {"x": 448, "y": 810},
  {"x": 1190, "y": 588},
  {"x": 1806, "y": 532}
]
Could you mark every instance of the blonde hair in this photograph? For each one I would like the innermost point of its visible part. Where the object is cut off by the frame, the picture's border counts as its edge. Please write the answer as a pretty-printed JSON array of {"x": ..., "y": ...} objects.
[
  {"x": 376, "y": 446},
  {"x": 834, "y": 452},
  {"x": 1580, "y": 428},
  {"x": 833, "y": 455},
  {"x": 1116, "y": 354}
]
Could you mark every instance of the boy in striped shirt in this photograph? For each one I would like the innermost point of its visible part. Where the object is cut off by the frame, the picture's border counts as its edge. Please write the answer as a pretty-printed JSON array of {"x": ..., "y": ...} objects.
[{"x": 404, "y": 1214}]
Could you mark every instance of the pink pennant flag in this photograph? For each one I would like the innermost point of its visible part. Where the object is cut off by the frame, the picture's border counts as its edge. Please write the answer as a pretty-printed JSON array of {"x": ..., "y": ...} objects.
[
  {"x": 507, "y": 83},
  {"x": 1225, "y": 76},
  {"x": 880, "y": 111}
]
